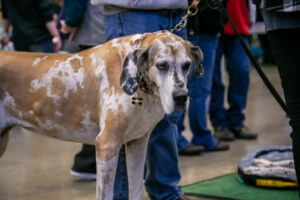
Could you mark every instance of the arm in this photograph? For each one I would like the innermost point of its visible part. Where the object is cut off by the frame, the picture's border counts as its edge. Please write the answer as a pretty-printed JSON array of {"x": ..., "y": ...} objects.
[
  {"x": 73, "y": 21},
  {"x": 51, "y": 26},
  {"x": 46, "y": 7},
  {"x": 5, "y": 24},
  {"x": 5, "y": 37}
]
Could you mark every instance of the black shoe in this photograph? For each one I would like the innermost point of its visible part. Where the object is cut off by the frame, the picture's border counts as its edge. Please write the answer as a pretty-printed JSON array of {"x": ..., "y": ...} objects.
[
  {"x": 84, "y": 166},
  {"x": 220, "y": 146},
  {"x": 243, "y": 133},
  {"x": 224, "y": 134},
  {"x": 191, "y": 150}
]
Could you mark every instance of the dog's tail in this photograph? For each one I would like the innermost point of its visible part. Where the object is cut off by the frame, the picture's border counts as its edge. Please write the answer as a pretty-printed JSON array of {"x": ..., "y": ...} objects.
[{"x": 4, "y": 137}]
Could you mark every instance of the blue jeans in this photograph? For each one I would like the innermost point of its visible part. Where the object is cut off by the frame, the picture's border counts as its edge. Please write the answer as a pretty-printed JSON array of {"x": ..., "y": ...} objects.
[
  {"x": 238, "y": 68},
  {"x": 199, "y": 92},
  {"x": 162, "y": 173}
]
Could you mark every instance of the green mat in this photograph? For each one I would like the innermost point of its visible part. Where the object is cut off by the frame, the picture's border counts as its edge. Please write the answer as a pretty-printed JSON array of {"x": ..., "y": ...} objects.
[{"x": 228, "y": 187}]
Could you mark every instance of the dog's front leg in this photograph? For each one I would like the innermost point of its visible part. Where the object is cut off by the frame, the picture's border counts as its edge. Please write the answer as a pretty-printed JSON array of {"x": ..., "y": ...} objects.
[
  {"x": 107, "y": 152},
  {"x": 135, "y": 158}
]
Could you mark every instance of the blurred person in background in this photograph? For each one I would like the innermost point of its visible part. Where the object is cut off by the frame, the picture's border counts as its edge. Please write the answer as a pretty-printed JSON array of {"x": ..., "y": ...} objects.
[
  {"x": 282, "y": 20},
  {"x": 204, "y": 30},
  {"x": 229, "y": 123},
  {"x": 34, "y": 28}
]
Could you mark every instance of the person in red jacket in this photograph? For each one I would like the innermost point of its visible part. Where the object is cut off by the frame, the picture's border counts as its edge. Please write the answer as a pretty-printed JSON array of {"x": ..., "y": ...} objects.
[{"x": 229, "y": 123}]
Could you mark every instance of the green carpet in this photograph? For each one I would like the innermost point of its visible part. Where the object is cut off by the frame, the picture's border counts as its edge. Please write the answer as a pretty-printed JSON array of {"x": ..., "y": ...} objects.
[{"x": 228, "y": 187}]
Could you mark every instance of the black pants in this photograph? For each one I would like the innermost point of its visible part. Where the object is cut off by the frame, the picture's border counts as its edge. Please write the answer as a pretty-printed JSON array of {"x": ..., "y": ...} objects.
[{"x": 286, "y": 51}]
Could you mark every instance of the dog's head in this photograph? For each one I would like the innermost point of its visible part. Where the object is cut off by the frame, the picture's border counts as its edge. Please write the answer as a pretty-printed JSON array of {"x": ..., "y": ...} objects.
[{"x": 163, "y": 61}]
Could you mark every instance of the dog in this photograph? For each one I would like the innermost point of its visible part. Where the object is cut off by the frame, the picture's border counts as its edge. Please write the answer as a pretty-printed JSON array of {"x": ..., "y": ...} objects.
[{"x": 107, "y": 96}]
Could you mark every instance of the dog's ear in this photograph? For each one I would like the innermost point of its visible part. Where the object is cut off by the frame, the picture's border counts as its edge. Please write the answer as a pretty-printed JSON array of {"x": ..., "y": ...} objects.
[
  {"x": 197, "y": 58},
  {"x": 130, "y": 77}
]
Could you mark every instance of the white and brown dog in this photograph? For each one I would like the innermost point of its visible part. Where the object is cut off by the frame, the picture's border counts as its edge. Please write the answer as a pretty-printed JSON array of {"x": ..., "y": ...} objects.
[{"x": 87, "y": 97}]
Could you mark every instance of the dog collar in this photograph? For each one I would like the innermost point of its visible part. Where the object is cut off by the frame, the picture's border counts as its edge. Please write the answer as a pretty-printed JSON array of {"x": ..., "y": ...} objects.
[{"x": 146, "y": 87}]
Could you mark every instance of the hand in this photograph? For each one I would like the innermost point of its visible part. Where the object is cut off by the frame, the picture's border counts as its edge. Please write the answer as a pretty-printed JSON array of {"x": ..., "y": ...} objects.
[
  {"x": 5, "y": 39},
  {"x": 57, "y": 44},
  {"x": 68, "y": 30}
]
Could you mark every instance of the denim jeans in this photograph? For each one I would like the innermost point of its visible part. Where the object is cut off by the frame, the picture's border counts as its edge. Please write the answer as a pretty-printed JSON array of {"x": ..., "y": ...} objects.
[
  {"x": 238, "y": 68},
  {"x": 199, "y": 92},
  {"x": 162, "y": 173}
]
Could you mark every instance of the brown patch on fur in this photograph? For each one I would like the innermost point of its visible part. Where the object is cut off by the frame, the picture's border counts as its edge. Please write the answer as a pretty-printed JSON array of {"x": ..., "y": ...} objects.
[
  {"x": 106, "y": 178},
  {"x": 131, "y": 43},
  {"x": 37, "y": 108},
  {"x": 58, "y": 88},
  {"x": 114, "y": 65},
  {"x": 75, "y": 63},
  {"x": 108, "y": 144},
  {"x": 187, "y": 46}
]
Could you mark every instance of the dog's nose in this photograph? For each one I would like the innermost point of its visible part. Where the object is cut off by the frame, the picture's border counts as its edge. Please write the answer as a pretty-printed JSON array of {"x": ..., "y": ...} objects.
[{"x": 180, "y": 97}]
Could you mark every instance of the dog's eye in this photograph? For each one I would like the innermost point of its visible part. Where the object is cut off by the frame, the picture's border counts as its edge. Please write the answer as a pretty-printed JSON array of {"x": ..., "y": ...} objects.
[
  {"x": 162, "y": 66},
  {"x": 186, "y": 66}
]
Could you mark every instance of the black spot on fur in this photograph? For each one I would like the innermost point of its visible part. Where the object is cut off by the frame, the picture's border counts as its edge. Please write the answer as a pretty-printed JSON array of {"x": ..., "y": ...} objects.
[
  {"x": 129, "y": 82},
  {"x": 198, "y": 58}
]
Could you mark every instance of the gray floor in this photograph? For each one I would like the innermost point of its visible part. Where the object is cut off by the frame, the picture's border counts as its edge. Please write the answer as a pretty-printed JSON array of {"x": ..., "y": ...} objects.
[{"x": 37, "y": 167}]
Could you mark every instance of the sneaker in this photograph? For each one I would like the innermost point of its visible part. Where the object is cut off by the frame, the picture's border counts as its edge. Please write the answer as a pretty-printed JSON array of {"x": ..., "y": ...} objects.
[
  {"x": 243, "y": 133},
  {"x": 224, "y": 134},
  {"x": 191, "y": 150},
  {"x": 220, "y": 146},
  {"x": 84, "y": 166},
  {"x": 83, "y": 175}
]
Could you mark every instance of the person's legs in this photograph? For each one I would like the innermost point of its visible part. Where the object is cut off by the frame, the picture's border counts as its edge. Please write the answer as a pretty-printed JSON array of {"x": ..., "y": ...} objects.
[
  {"x": 199, "y": 91},
  {"x": 286, "y": 51},
  {"x": 121, "y": 181},
  {"x": 162, "y": 174},
  {"x": 85, "y": 163},
  {"x": 162, "y": 146},
  {"x": 217, "y": 111},
  {"x": 185, "y": 148},
  {"x": 238, "y": 67},
  {"x": 182, "y": 142}
]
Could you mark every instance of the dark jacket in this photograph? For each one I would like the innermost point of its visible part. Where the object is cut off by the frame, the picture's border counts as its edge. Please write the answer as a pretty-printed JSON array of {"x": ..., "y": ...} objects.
[
  {"x": 207, "y": 20},
  {"x": 28, "y": 18},
  {"x": 279, "y": 5},
  {"x": 74, "y": 12}
]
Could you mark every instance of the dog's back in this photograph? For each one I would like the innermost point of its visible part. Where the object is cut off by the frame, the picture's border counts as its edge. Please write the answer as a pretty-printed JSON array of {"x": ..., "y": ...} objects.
[{"x": 51, "y": 94}]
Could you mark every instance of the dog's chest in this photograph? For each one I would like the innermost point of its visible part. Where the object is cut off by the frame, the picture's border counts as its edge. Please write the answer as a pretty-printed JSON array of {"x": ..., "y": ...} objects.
[{"x": 144, "y": 118}]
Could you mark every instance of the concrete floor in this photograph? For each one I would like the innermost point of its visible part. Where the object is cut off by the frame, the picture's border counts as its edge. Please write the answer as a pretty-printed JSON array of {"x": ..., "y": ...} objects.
[{"x": 37, "y": 167}]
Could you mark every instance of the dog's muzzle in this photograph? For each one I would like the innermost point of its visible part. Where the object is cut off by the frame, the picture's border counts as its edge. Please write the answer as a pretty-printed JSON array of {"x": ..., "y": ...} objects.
[{"x": 180, "y": 97}]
